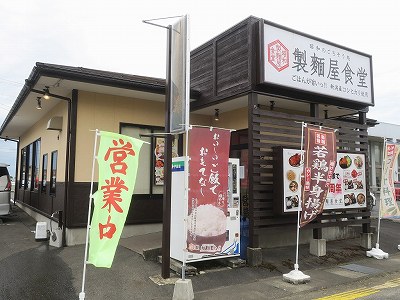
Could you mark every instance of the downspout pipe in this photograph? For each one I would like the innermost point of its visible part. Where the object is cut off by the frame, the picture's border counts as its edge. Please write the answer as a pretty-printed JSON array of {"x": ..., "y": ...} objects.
[{"x": 67, "y": 155}]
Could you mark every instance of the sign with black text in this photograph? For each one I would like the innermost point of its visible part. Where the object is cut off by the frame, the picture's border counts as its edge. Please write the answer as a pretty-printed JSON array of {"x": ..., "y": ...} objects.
[{"x": 305, "y": 63}]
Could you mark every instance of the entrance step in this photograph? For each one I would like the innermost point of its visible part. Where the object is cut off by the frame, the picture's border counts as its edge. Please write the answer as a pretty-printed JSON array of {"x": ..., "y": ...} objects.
[{"x": 148, "y": 245}]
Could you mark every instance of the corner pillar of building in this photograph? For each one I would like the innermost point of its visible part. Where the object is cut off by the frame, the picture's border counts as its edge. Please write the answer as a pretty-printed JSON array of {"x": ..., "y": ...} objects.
[
  {"x": 366, "y": 240},
  {"x": 254, "y": 257},
  {"x": 318, "y": 247}
]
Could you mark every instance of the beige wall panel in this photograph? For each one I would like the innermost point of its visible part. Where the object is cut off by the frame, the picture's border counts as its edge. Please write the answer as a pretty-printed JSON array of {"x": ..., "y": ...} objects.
[
  {"x": 51, "y": 140},
  {"x": 236, "y": 119},
  {"x": 200, "y": 120},
  {"x": 106, "y": 112}
]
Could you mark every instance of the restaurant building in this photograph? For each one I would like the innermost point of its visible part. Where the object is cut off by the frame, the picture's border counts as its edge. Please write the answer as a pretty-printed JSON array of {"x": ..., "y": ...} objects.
[{"x": 258, "y": 78}]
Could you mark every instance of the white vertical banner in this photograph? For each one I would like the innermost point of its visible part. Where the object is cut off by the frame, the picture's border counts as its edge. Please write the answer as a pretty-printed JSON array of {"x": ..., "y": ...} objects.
[{"x": 388, "y": 203}]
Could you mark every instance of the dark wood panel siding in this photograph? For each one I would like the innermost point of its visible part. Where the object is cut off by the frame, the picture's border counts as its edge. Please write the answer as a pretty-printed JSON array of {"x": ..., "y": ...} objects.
[
  {"x": 232, "y": 61},
  {"x": 273, "y": 128},
  {"x": 144, "y": 208},
  {"x": 44, "y": 203},
  {"x": 201, "y": 72},
  {"x": 225, "y": 66}
]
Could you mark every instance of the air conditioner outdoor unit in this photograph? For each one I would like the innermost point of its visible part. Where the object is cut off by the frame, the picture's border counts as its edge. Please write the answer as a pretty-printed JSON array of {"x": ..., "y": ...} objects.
[
  {"x": 55, "y": 123},
  {"x": 41, "y": 231}
]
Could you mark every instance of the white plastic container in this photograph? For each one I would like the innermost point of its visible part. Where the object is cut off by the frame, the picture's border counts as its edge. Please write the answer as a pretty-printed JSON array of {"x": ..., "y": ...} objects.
[{"x": 41, "y": 231}]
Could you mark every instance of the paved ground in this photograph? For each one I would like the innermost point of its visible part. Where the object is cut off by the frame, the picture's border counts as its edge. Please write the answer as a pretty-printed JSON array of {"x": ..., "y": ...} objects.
[{"x": 34, "y": 270}]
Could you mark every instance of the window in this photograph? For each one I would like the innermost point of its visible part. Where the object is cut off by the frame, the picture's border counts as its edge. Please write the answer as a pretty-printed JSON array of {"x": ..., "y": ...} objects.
[
  {"x": 150, "y": 168},
  {"x": 29, "y": 166},
  {"x": 44, "y": 173},
  {"x": 53, "y": 171},
  {"x": 143, "y": 179},
  {"x": 36, "y": 164},
  {"x": 22, "y": 168}
]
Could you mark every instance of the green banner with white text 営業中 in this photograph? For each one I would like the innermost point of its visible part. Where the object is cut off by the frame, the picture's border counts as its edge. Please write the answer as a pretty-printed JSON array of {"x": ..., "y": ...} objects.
[{"x": 117, "y": 158}]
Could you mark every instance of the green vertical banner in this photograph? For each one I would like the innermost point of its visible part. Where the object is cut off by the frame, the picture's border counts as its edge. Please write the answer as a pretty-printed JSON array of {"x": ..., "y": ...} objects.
[{"x": 117, "y": 158}]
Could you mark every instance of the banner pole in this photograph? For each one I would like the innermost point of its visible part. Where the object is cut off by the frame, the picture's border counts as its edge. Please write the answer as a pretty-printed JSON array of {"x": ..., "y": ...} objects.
[
  {"x": 380, "y": 205},
  {"x": 296, "y": 276},
  {"x": 376, "y": 252},
  {"x": 187, "y": 127},
  {"x": 82, "y": 293},
  {"x": 185, "y": 205},
  {"x": 296, "y": 265}
]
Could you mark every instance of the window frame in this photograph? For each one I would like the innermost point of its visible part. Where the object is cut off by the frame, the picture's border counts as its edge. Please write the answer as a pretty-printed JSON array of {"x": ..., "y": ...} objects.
[
  {"x": 45, "y": 161},
  {"x": 22, "y": 174},
  {"x": 28, "y": 168},
  {"x": 152, "y": 129},
  {"x": 35, "y": 165},
  {"x": 53, "y": 177}
]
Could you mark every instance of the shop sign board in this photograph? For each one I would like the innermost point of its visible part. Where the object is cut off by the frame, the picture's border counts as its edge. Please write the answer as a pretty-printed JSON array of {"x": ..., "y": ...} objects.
[
  {"x": 299, "y": 61},
  {"x": 180, "y": 76},
  {"x": 347, "y": 188}
]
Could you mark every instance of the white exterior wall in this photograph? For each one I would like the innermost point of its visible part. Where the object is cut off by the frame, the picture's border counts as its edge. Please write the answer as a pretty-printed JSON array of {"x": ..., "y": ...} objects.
[{"x": 376, "y": 137}]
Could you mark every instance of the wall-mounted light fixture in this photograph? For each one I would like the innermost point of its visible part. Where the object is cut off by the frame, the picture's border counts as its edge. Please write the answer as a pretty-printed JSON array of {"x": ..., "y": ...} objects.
[
  {"x": 39, "y": 103},
  {"x": 271, "y": 105},
  {"x": 46, "y": 94},
  {"x": 326, "y": 113},
  {"x": 216, "y": 114}
]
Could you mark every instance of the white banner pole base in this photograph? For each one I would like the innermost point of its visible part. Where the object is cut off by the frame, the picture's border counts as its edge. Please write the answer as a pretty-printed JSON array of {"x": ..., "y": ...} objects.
[
  {"x": 296, "y": 277},
  {"x": 81, "y": 295},
  {"x": 398, "y": 247},
  {"x": 183, "y": 290},
  {"x": 377, "y": 253}
]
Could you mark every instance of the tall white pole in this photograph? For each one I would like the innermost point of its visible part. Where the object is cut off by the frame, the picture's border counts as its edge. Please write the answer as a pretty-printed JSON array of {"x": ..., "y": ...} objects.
[
  {"x": 187, "y": 126},
  {"x": 380, "y": 198},
  {"x": 296, "y": 276},
  {"x": 82, "y": 293},
  {"x": 185, "y": 204},
  {"x": 296, "y": 265}
]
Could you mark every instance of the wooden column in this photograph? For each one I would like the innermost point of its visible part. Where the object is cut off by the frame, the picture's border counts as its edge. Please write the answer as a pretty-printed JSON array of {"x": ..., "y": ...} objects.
[
  {"x": 252, "y": 104},
  {"x": 362, "y": 119}
]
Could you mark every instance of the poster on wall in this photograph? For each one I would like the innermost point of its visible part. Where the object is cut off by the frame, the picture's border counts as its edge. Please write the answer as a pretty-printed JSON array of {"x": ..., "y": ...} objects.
[
  {"x": 347, "y": 188},
  {"x": 159, "y": 158},
  {"x": 292, "y": 171}
]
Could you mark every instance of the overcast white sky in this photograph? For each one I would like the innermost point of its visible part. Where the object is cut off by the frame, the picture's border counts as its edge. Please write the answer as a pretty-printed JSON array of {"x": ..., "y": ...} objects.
[{"x": 110, "y": 35}]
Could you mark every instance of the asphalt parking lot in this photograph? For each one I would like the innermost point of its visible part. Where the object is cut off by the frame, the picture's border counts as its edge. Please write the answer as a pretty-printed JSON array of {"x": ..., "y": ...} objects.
[{"x": 35, "y": 270}]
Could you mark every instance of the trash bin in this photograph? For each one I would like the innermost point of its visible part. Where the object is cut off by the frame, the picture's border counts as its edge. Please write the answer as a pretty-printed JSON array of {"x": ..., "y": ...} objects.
[{"x": 244, "y": 237}]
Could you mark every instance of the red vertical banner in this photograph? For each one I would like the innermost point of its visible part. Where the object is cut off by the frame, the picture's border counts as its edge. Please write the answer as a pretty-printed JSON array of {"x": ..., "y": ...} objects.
[
  {"x": 319, "y": 164},
  {"x": 208, "y": 189}
]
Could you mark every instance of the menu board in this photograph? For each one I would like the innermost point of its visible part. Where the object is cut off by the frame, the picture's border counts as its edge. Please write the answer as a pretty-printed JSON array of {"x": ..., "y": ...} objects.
[
  {"x": 292, "y": 171},
  {"x": 347, "y": 188}
]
